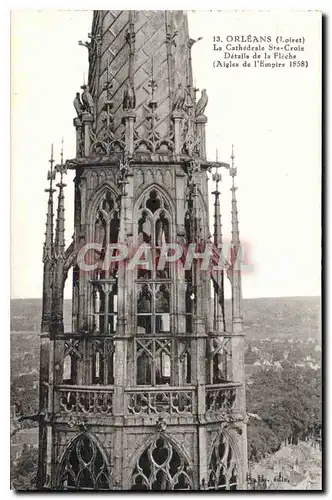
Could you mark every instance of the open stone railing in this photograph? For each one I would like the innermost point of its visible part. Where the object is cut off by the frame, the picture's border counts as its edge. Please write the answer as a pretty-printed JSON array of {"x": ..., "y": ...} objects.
[
  {"x": 175, "y": 401},
  {"x": 86, "y": 400},
  {"x": 220, "y": 397}
]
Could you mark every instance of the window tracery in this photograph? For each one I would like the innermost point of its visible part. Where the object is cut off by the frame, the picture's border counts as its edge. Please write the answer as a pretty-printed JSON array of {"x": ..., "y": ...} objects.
[
  {"x": 153, "y": 361},
  {"x": 161, "y": 467},
  {"x": 106, "y": 229},
  {"x": 102, "y": 361},
  {"x": 153, "y": 308},
  {"x": 184, "y": 361},
  {"x": 222, "y": 472},
  {"x": 83, "y": 466},
  {"x": 219, "y": 357},
  {"x": 153, "y": 228},
  {"x": 105, "y": 306},
  {"x": 71, "y": 356}
]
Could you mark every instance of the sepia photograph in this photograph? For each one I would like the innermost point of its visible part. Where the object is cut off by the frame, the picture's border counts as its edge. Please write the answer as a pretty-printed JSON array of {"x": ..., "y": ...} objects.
[{"x": 165, "y": 302}]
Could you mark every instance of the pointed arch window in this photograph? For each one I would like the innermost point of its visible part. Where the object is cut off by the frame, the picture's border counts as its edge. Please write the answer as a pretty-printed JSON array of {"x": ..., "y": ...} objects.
[
  {"x": 83, "y": 466},
  {"x": 222, "y": 472},
  {"x": 160, "y": 468},
  {"x": 105, "y": 306},
  {"x": 153, "y": 308},
  {"x": 153, "y": 229},
  {"x": 104, "y": 283},
  {"x": 106, "y": 229},
  {"x": 154, "y": 356},
  {"x": 71, "y": 356},
  {"x": 102, "y": 351}
]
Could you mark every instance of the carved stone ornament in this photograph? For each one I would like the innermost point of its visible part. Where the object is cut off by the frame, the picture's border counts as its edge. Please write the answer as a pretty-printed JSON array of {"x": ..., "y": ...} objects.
[{"x": 161, "y": 425}]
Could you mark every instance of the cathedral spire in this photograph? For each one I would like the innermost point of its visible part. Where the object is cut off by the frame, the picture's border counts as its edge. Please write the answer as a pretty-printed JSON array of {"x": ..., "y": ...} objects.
[
  {"x": 140, "y": 326},
  {"x": 48, "y": 250},
  {"x": 59, "y": 251},
  {"x": 48, "y": 244},
  {"x": 121, "y": 47},
  {"x": 59, "y": 244}
]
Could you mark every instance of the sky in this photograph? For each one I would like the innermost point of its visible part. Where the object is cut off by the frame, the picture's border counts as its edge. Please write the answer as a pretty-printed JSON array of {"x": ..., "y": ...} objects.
[{"x": 272, "y": 116}]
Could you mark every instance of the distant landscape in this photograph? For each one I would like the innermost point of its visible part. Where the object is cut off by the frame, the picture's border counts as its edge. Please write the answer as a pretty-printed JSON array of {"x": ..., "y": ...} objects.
[
  {"x": 283, "y": 372},
  {"x": 281, "y": 316}
]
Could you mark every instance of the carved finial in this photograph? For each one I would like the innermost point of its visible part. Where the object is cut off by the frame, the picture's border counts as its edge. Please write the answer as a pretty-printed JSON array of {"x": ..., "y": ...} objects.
[
  {"x": 233, "y": 169},
  {"x": 60, "y": 219},
  {"x": 61, "y": 153},
  {"x": 51, "y": 173},
  {"x": 216, "y": 177},
  {"x": 62, "y": 168},
  {"x": 152, "y": 117},
  {"x": 152, "y": 83}
]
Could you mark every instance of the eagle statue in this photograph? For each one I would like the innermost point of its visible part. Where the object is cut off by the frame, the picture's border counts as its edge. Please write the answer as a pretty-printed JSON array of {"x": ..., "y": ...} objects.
[
  {"x": 78, "y": 105},
  {"x": 202, "y": 103},
  {"x": 87, "y": 99},
  {"x": 179, "y": 98}
]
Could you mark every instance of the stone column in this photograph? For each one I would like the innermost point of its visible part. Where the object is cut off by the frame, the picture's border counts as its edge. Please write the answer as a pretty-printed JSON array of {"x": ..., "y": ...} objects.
[
  {"x": 203, "y": 457},
  {"x": 78, "y": 125},
  {"x": 87, "y": 120},
  {"x": 201, "y": 122},
  {"x": 177, "y": 118},
  {"x": 129, "y": 119}
]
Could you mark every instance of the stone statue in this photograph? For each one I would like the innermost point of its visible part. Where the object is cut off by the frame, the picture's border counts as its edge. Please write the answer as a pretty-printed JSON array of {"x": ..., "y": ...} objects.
[
  {"x": 179, "y": 98},
  {"x": 78, "y": 105},
  {"x": 87, "y": 99},
  {"x": 129, "y": 99},
  {"x": 202, "y": 103}
]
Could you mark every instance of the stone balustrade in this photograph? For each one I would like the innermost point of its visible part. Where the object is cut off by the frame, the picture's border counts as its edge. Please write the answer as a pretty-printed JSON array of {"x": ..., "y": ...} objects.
[
  {"x": 153, "y": 401},
  {"x": 94, "y": 400},
  {"x": 157, "y": 401},
  {"x": 220, "y": 397}
]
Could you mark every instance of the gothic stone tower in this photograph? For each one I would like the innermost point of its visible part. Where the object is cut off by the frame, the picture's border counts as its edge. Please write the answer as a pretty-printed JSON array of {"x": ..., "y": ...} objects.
[{"x": 147, "y": 391}]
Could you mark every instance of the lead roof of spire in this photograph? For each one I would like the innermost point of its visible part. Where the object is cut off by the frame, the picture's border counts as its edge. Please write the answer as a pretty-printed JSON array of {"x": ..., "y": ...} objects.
[{"x": 122, "y": 47}]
